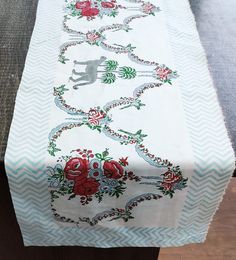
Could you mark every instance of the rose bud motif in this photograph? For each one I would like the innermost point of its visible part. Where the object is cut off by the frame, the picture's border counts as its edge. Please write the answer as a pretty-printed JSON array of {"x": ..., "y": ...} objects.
[
  {"x": 86, "y": 187},
  {"x": 76, "y": 169},
  {"x": 92, "y": 37},
  {"x": 83, "y": 5},
  {"x": 108, "y": 5},
  {"x": 166, "y": 186},
  {"x": 170, "y": 177},
  {"x": 163, "y": 73},
  {"x": 90, "y": 12},
  {"x": 148, "y": 8},
  {"x": 95, "y": 116},
  {"x": 113, "y": 169}
]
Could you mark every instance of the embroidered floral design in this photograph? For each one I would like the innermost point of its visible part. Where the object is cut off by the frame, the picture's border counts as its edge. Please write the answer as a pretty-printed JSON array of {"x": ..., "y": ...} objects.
[
  {"x": 90, "y": 176},
  {"x": 169, "y": 182},
  {"x": 94, "y": 37},
  {"x": 96, "y": 118},
  {"x": 99, "y": 118},
  {"x": 92, "y": 9},
  {"x": 165, "y": 74},
  {"x": 111, "y": 214},
  {"x": 98, "y": 8},
  {"x": 149, "y": 8},
  {"x": 172, "y": 180}
]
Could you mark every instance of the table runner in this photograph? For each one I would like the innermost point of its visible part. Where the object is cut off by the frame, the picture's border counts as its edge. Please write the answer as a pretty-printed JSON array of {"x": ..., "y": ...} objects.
[{"x": 117, "y": 137}]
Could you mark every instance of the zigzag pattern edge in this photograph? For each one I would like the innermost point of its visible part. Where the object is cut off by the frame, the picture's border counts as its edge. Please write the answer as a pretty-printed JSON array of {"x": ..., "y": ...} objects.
[{"x": 214, "y": 159}]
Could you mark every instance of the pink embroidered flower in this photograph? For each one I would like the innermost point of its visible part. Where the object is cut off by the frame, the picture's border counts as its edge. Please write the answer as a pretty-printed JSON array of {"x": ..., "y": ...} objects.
[
  {"x": 95, "y": 116},
  {"x": 167, "y": 186},
  {"x": 163, "y": 73},
  {"x": 83, "y": 5},
  {"x": 170, "y": 177},
  {"x": 108, "y": 5},
  {"x": 90, "y": 12},
  {"x": 76, "y": 169},
  {"x": 93, "y": 36},
  {"x": 148, "y": 8},
  {"x": 86, "y": 187},
  {"x": 113, "y": 170}
]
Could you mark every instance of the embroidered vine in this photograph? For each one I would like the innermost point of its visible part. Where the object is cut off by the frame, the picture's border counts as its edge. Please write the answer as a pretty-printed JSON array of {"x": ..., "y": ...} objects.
[
  {"x": 91, "y": 176},
  {"x": 86, "y": 176}
]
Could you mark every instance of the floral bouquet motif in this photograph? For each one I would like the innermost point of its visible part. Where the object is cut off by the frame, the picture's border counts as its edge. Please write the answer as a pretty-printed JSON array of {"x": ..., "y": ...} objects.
[
  {"x": 91, "y": 9},
  {"x": 94, "y": 38},
  {"x": 90, "y": 175},
  {"x": 165, "y": 74},
  {"x": 98, "y": 8}
]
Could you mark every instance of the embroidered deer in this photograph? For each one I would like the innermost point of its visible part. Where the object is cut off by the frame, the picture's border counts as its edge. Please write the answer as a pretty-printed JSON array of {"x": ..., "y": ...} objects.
[{"x": 91, "y": 72}]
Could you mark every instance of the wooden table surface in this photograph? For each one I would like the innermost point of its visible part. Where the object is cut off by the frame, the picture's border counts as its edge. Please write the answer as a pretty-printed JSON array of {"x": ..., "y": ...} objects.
[
  {"x": 221, "y": 239},
  {"x": 214, "y": 18}
]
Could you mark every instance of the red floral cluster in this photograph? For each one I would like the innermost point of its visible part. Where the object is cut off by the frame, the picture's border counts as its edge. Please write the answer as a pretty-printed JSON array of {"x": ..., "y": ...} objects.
[
  {"x": 148, "y": 8},
  {"x": 94, "y": 116},
  {"x": 88, "y": 10},
  {"x": 169, "y": 179},
  {"x": 163, "y": 73},
  {"x": 77, "y": 170}
]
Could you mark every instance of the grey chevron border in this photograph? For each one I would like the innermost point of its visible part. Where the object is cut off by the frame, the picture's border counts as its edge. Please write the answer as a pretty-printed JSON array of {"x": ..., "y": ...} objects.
[
  {"x": 214, "y": 156},
  {"x": 25, "y": 158}
]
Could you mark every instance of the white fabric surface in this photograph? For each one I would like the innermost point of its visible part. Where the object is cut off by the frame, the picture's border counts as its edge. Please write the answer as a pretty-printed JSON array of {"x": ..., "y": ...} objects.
[{"x": 178, "y": 150}]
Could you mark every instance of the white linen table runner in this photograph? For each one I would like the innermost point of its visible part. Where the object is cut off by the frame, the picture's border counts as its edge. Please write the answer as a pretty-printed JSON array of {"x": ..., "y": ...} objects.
[{"x": 117, "y": 137}]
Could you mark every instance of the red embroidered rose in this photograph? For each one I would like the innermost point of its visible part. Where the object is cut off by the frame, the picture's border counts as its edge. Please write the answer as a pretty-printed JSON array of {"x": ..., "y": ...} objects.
[
  {"x": 83, "y": 5},
  {"x": 170, "y": 177},
  {"x": 163, "y": 73},
  {"x": 108, "y": 5},
  {"x": 113, "y": 169},
  {"x": 86, "y": 187},
  {"x": 95, "y": 116},
  {"x": 90, "y": 12},
  {"x": 148, "y": 8},
  {"x": 76, "y": 169},
  {"x": 166, "y": 186},
  {"x": 92, "y": 36}
]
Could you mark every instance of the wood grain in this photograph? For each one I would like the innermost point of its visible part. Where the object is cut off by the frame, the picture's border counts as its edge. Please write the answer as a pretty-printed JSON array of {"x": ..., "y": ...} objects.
[{"x": 221, "y": 240}]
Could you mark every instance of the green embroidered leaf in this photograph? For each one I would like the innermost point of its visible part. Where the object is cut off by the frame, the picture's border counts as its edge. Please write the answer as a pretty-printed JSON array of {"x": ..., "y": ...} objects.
[
  {"x": 52, "y": 149},
  {"x": 94, "y": 127},
  {"x": 54, "y": 196},
  {"x": 111, "y": 65},
  {"x": 61, "y": 90},
  {"x": 113, "y": 13},
  {"x": 62, "y": 59},
  {"x": 127, "y": 72},
  {"x": 108, "y": 78},
  {"x": 99, "y": 196},
  {"x": 107, "y": 159},
  {"x": 72, "y": 196},
  {"x": 98, "y": 155}
]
